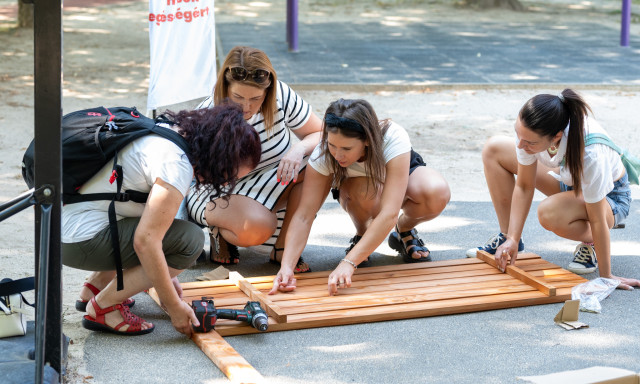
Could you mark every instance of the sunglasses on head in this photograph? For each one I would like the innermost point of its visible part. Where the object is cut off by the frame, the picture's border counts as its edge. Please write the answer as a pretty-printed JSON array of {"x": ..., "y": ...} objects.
[{"x": 241, "y": 74}]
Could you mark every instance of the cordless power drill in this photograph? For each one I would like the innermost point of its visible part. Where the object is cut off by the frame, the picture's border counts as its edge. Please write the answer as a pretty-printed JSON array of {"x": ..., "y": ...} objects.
[{"x": 207, "y": 314}]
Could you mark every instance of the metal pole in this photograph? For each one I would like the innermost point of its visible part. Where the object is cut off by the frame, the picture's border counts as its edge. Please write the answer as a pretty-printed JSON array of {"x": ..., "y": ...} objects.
[
  {"x": 13, "y": 201},
  {"x": 625, "y": 23},
  {"x": 288, "y": 31},
  {"x": 48, "y": 164},
  {"x": 41, "y": 298},
  {"x": 292, "y": 25},
  {"x": 7, "y": 211}
]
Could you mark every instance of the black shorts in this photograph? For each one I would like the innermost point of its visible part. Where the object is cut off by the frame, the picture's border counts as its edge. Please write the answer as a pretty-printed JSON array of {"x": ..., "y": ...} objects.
[{"x": 415, "y": 162}]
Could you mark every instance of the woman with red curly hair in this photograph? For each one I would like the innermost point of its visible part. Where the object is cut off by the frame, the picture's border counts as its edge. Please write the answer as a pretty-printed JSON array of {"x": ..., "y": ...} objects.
[{"x": 154, "y": 247}]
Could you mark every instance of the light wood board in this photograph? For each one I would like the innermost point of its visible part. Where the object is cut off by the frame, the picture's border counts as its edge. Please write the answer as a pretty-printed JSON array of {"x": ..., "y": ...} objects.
[
  {"x": 391, "y": 292},
  {"x": 377, "y": 294}
]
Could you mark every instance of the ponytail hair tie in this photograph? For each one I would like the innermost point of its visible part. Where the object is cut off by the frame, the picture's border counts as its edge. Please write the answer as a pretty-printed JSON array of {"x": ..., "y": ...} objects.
[{"x": 561, "y": 97}]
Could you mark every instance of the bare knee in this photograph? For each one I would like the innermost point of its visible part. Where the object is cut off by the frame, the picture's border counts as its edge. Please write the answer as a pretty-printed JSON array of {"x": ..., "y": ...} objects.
[
  {"x": 547, "y": 216},
  {"x": 493, "y": 146},
  {"x": 437, "y": 196},
  {"x": 357, "y": 201},
  {"x": 357, "y": 196},
  {"x": 429, "y": 190},
  {"x": 257, "y": 231}
]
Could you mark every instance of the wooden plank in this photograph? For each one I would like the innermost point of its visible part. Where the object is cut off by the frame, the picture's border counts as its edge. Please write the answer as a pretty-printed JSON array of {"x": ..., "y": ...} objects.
[
  {"x": 519, "y": 274},
  {"x": 377, "y": 279},
  {"x": 388, "y": 268},
  {"x": 430, "y": 294},
  {"x": 508, "y": 300},
  {"x": 412, "y": 310},
  {"x": 230, "y": 362},
  {"x": 424, "y": 281},
  {"x": 377, "y": 300},
  {"x": 208, "y": 284},
  {"x": 363, "y": 287},
  {"x": 385, "y": 271},
  {"x": 393, "y": 292},
  {"x": 254, "y": 294}
]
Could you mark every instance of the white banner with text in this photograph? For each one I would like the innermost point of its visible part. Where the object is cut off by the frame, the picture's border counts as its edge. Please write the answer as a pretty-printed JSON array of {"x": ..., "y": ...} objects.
[{"x": 182, "y": 50}]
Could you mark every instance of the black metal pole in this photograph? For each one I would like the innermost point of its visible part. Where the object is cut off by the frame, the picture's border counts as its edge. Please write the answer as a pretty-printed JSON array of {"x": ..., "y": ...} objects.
[
  {"x": 41, "y": 298},
  {"x": 48, "y": 163},
  {"x": 13, "y": 201},
  {"x": 8, "y": 211}
]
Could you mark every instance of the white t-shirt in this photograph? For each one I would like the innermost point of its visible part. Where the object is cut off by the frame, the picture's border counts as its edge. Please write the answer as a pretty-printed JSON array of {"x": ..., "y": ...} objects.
[
  {"x": 143, "y": 162},
  {"x": 395, "y": 142},
  {"x": 601, "y": 165}
]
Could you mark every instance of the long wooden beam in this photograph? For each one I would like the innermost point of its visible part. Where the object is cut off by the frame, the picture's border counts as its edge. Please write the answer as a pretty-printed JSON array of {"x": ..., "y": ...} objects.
[
  {"x": 519, "y": 274},
  {"x": 230, "y": 362},
  {"x": 254, "y": 294}
]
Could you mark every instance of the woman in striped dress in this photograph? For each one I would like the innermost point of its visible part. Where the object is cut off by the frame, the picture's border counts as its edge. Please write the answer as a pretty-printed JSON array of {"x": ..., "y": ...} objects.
[{"x": 249, "y": 218}]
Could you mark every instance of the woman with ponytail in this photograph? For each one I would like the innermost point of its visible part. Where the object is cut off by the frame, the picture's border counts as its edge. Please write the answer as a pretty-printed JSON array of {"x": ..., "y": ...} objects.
[{"x": 587, "y": 187}]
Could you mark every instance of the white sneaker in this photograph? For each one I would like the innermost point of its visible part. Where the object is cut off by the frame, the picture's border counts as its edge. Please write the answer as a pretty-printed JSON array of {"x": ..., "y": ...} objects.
[{"x": 584, "y": 259}]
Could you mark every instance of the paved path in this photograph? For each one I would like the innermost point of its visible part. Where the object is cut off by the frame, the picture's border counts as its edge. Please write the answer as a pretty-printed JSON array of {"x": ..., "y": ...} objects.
[
  {"x": 483, "y": 347},
  {"x": 443, "y": 53}
]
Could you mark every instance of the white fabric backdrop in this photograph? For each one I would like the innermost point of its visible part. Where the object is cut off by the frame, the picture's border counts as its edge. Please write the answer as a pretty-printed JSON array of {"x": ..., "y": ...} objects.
[{"x": 182, "y": 45}]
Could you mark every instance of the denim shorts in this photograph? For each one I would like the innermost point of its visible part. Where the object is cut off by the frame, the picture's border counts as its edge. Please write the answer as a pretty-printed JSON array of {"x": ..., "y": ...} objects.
[
  {"x": 415, "y": 162},
  {"x": 619, "y": 198}
]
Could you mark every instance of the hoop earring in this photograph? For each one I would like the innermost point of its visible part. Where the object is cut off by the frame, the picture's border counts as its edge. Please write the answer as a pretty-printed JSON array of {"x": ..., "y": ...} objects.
[{"x": 552, "y": 149}]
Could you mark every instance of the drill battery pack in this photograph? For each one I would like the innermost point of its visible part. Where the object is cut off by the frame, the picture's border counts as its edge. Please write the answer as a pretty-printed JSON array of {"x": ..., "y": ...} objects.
[{"x": 206, "y": 313}]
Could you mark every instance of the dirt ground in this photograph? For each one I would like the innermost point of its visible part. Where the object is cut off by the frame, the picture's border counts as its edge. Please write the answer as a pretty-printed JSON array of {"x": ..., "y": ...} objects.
[{"x": 106, "y": 62}]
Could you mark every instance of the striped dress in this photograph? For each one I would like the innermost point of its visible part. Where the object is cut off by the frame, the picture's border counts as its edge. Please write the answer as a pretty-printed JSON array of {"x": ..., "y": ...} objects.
[{"x": 261, "y": 183}]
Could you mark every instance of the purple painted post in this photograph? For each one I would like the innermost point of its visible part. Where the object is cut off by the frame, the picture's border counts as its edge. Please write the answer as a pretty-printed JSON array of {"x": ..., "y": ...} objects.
[
  {"x": 292, "y": 25},
  {"x": 626, "y": 21},
  {"x": 288, "y": 21}
]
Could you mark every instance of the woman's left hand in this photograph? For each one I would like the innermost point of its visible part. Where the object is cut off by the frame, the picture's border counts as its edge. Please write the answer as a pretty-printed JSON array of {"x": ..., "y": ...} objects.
[
  {"x": 626, "y": 283},
  {"x": 290, "y": 164},
  {"x": 507, "y": 253},
  {"x": 340, "y": 277}
]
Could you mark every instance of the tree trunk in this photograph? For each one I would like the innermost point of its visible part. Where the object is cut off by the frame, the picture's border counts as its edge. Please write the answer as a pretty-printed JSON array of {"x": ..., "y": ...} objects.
[
  {"x": 25, "y": 15},
  {"x": 509, "y": 4}
]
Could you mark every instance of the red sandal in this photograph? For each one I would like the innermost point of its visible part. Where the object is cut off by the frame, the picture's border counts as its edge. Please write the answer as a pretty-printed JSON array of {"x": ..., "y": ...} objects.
[
  {"x": 81, "y": 305},
  {"x": 98, "y": 323}
]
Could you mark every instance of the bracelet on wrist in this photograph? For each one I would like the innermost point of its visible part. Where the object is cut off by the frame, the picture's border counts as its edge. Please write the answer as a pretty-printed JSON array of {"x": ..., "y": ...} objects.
[{"x": 350, "y": 262}]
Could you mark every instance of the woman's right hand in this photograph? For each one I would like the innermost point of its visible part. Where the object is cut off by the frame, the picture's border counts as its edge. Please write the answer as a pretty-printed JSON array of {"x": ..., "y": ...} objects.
[
  {"x": 182, "y": 317},
  {"x": 284, "y": 281}
]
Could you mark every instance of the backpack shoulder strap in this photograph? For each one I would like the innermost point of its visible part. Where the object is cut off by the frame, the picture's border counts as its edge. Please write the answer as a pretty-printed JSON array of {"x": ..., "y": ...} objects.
[
  {"x": 173, "y": 136},
  {"x": 599, "y": 138}
]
